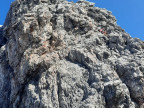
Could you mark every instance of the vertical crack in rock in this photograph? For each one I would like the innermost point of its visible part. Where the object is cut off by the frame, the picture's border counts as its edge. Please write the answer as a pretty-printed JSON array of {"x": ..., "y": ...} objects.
[{"x": 58, "y": 89}]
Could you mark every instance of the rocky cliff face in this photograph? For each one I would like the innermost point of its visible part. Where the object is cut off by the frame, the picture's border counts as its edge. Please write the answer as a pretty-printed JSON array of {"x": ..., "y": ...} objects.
[{"x": 60, "y": 54}]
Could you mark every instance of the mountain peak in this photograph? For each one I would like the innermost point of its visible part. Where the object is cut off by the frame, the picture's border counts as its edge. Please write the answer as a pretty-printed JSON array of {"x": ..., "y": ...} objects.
[{"x": 60, "y": 54}]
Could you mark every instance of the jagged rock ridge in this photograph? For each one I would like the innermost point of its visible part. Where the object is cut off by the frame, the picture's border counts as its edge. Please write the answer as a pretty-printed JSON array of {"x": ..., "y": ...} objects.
[{"x": 60, "y": 54}]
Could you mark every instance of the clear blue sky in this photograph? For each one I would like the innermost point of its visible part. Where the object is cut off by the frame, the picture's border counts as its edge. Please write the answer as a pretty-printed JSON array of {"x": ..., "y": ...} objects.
[{"x": 129, "y": 13}]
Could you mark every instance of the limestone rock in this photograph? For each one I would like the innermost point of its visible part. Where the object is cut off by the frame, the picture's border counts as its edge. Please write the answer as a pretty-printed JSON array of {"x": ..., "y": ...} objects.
[{"x": 60, "y": 54}]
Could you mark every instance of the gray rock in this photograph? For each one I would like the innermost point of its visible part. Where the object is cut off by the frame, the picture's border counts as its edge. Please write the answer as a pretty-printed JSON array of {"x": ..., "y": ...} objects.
[{"x": 60, "y": 54}]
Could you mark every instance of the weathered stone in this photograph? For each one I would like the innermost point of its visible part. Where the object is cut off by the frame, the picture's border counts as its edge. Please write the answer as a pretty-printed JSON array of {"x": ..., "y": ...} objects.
[{"x": 60, "y": 54}]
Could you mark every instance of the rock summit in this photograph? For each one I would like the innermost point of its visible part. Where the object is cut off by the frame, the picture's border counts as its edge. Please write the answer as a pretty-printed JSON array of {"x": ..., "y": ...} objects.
[{"x": 60, "y": 54}]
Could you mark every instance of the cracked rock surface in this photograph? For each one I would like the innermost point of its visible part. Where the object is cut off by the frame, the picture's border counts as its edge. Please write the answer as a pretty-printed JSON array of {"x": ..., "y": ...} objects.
[{"x": 60, "y": 54}]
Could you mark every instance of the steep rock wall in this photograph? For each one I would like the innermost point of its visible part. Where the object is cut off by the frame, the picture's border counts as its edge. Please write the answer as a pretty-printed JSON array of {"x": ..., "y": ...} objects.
[{"x": 60, "y": 54}]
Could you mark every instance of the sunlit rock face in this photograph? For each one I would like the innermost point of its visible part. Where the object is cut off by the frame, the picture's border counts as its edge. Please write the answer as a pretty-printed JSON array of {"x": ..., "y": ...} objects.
[{"x": 60, "y": 54}]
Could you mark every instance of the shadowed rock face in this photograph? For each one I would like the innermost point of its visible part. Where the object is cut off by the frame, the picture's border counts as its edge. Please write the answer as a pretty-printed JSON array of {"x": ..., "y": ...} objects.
[{"x": 59, "y": 54}]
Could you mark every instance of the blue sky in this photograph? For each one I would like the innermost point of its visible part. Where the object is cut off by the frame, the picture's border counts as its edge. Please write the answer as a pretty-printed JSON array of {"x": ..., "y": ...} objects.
[{"x": 129, "y": 13}]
